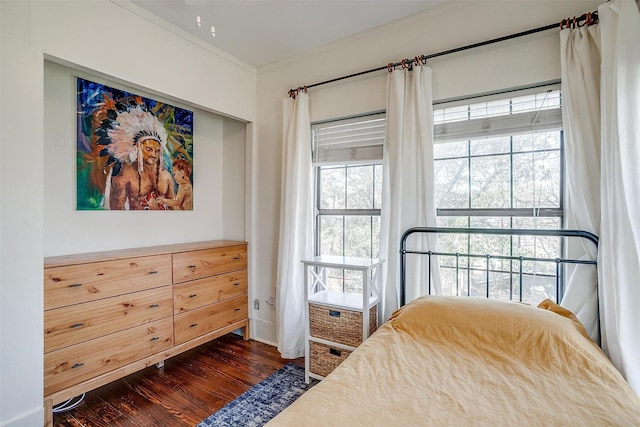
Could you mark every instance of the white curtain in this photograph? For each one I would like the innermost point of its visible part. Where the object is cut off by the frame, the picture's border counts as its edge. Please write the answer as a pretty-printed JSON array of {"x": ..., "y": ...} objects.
[
  {"x": 580, "y": 64},
  {"x": 296, "y": 225},
  {"x": 604, "y": 193},
  {"x": 408, "y": 185},
  {"x": 619, "y": 265}
]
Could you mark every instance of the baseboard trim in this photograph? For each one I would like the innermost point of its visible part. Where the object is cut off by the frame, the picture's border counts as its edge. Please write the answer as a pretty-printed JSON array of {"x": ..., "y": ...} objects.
[
  {"x": 264, "y": 331},
  {"x": 32, "y": 418},
  {"x": 272, "y": 344}
]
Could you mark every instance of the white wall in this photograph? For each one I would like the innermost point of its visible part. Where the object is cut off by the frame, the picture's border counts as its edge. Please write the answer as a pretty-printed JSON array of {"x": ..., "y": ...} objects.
[
  {"x": 518, "y": 62},
  {"x": 233, "y": 179},
  {"x": 112, "y": 39}
]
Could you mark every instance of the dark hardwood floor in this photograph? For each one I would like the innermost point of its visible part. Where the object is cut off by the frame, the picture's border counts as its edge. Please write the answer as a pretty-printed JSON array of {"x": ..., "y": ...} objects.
[{"x": 189, "y": 388}]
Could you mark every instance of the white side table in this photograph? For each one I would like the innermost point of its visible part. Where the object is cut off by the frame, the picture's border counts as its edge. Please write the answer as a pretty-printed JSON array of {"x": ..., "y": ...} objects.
[{"x": 337, "y": 322}]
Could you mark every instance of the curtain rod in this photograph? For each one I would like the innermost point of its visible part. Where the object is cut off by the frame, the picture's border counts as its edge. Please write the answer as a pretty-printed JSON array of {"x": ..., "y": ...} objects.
[{"x": 590, "y": 18}]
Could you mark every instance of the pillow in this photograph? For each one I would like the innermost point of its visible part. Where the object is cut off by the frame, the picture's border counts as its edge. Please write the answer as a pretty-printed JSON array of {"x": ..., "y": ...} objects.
[
  {"x": 494, "y": 327},
  {"x": 549, "y": 305}
]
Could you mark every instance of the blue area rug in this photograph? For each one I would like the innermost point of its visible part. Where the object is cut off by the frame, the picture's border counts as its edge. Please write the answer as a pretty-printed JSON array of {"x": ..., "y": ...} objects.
[{"x": 263, "y": 401}]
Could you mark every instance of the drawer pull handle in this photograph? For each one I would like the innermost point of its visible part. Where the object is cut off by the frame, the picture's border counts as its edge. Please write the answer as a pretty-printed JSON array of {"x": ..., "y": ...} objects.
[
  {"x": 154, "y": 306},
  {"x": 237, "y": 257},
  {"x": 236, "y": 284},
  {"x": 334, "y": 313},
  {"x": 335, "y": 352},
  {"x": 191, "y": 267},
  {"x": 193, "y": 325},
  {"x": 153, "y": 272},
  {"x": 154, "y": 339},
  {"x": 77, "y": 365},
  {"x": 77, "y": 325},
  {"x": 236, "y": 309},
  {"x": 75, "y": 285},
  {"x": 193, "y": 295}
]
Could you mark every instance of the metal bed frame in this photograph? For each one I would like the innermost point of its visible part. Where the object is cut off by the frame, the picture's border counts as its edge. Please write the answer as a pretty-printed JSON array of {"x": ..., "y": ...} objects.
[{"x": 559, "y": 262}]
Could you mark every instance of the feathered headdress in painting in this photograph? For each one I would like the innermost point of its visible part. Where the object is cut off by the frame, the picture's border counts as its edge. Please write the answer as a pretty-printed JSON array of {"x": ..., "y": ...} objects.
[{"x": 122, "y": 132}]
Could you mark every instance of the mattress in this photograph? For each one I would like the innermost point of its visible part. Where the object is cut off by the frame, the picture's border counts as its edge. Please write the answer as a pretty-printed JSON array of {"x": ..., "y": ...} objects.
[{"x": 471, "y": 361}]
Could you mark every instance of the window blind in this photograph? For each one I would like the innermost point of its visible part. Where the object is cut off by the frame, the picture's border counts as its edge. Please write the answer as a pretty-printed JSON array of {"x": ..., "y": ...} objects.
[
  {"x": 510, "y": 124},
  {"x": 355, "y": 140},
  {"x": 522, "y": 112}
]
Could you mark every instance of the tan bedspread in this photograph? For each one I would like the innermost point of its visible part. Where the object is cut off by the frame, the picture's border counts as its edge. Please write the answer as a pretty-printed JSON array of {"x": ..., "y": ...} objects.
[{"x": 471, "y": 361}]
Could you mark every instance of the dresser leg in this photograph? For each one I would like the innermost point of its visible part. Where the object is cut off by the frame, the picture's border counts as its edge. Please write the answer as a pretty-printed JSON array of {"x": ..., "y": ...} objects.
[
  {"x": 48, "y": 413},
  {"x": 245, "y": 332}
]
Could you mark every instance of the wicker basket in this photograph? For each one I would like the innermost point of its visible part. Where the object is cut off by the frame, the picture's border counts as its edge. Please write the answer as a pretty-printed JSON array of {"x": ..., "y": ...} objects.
[
  {"x": 339, "y": 325},
  {"x": 324, "y": 359}
]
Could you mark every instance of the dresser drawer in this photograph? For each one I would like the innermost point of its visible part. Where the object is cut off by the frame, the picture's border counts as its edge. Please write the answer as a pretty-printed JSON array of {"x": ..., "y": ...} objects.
[
  {"x": 200, "y": 321},
  {"x": 73, "y": 324},
  {"x": 79, "y": 283},
  {"x": 340, "y": 325},
  {"x": 207, "y": 262},
  {"x": 72, "y": 365},
  {"x": 197, "y": 293}
]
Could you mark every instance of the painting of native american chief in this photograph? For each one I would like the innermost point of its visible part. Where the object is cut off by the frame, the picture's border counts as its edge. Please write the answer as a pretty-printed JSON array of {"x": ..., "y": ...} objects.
[{"x": 133, "y": 153}]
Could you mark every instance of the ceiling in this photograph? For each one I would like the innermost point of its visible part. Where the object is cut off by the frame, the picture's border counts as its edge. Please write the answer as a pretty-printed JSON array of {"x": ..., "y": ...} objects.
[{"x": 261, "y": 32}]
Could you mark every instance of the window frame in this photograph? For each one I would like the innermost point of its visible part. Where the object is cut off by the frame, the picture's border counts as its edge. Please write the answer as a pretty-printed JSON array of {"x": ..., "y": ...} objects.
[
  {"x": 507, "y": 213},
  {"x": 368, "y": 154},
  {"x": 319, "y": 212}
]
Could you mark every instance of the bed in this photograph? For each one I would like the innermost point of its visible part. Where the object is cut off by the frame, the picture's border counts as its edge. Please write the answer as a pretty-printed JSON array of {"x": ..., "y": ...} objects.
[{"x": 471, "y": 360}]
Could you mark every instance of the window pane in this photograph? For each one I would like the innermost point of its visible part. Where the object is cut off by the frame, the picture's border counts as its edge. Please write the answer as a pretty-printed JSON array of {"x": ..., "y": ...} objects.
[
  {"x": 453, "y": 282},
  {"x": 536, "y": 287},
  {"x": 335, "y": 279},
  {"x": 536, "y": 180},
  {"x": 360, "y": 187},
  {"x": 546, "y": 223},
  {"x": 451, "y": 149},
  {"x": 332, "y": 188},
  {"x": 524, "y": 184},
  {"x": 375, "y": 236},
  {"x": 453, "y": 221},
  {"x": 452, "y": 183},
  {"x": 546, "y": 166},
  {"x": 490, "y": 222},
  {"x": 490, "y": 182},
  {"x": 377, "y": 187},
  {"x": 537, "y": 246},
  {"x": 453, "y": 244},
  {"x": 358, "y": 236},
  {"x": 500, "y": 284},
  {"x": 490, "y": 244},
  {"x": 491, "y": 145},
  {"x": 331, "y": 235},
  {"x": 546, "y": 140},
  {"x": 523, "y": 142},
  {"x": 536, "y": 141},
  {"x": 352, "y": 282}
]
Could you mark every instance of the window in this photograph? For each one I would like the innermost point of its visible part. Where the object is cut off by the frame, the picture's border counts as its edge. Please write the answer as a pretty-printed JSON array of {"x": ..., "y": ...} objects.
[
  {"x": 498, "y": 164},
  {"x": 347, "y": 156}
]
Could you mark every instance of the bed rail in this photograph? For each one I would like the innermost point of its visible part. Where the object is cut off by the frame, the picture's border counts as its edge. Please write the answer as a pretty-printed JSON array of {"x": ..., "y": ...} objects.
[{"x": 519, "y": 260}]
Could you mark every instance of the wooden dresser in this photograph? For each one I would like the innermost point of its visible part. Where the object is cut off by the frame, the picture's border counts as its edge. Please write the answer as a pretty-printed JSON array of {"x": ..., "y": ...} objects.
[{"x": 109, "y": 314}]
